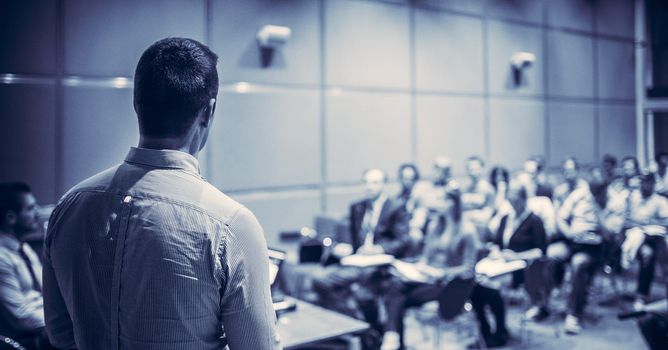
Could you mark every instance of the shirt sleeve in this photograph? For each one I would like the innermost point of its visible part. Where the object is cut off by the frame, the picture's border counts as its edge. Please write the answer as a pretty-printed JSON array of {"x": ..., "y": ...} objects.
[
  {"x": 26, "y": 309},
  {"x": 59, "y": 326},
  {"x": 248, "y": 315}
]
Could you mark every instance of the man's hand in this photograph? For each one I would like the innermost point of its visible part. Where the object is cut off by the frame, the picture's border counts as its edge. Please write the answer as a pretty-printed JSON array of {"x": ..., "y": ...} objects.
[
  {"x": 370, "y": 250},
  {"x": 416, "y": 234},
  {"x": 509, "y": 255},
  {"x": 342, "y": 249}
]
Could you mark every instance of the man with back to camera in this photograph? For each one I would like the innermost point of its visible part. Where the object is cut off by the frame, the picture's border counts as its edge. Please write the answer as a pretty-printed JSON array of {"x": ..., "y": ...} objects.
[
  {"x": 21, "y": 304},
  {"x": 147, "y": 254}
]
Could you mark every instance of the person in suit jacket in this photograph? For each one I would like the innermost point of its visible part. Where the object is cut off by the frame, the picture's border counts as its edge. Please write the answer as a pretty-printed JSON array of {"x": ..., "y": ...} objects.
[
  {"x": 378, "y": 225},
  {"x": 518, "y": 234}
]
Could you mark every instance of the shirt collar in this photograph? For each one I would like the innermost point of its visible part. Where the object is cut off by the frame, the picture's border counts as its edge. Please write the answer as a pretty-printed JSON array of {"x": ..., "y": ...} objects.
[
  {"x": 9, "y": 241},
  {"x": 163, "y": 158}
]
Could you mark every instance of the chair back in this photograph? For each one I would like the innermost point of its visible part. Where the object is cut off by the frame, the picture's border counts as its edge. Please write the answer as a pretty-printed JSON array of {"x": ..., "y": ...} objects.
[{"x": 454, "y": 296}]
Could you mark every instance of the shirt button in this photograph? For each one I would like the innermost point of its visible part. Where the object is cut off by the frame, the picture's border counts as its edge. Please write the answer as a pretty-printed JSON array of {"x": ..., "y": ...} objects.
[{"x": 277, "y": 338}]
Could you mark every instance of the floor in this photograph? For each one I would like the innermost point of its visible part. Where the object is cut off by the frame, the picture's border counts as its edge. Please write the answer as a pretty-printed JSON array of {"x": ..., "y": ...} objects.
[{"x": 601, "y": 328}]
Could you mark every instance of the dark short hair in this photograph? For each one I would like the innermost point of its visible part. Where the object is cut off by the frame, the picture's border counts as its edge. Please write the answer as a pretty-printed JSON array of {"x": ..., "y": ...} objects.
[
  {"x": 10, "y": 198},
  {"x": 610, "y": 159},
  {"x": 476, "y": 158},
  {"x": 649, "y": 177},
  {"x": 574, "y": 160},
  {"x": 633, "y": 159},
  {"x": 539, "y": 160},
  {"x": 495, "y": 173},
  {"x": 597, "y": 187},
  {"x": 175, "y": 78},
  {"x": 409, "y": 166}
]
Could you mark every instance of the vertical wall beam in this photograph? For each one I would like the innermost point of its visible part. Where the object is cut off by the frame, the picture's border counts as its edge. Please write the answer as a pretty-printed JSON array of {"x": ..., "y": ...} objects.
[{"x": 640, "y": 81}]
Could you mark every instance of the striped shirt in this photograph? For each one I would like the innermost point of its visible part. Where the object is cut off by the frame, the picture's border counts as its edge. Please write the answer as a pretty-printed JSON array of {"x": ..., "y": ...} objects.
[
  {"x": 148, "y": 255},
  {"x": 21, "y": 308}
]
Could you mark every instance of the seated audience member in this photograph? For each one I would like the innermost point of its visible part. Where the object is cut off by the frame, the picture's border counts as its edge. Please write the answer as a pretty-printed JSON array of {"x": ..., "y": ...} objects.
[
  {"x": 21, "y": 302},
  {"x": 629, "y": 181},
  {"x": 499, "y": 177},
  {"x": 608, "y": 171},
  {"x": 478, "y": 195},
  {"x": 662, "y": 174},
  {"x": 429, "y": 192},
  {"x": 572, "y": 181},
  {"x": 408, "y": 177},
  {"x": 587, "y": 218},
  {"x": 518, "y": 234},
  {"x": 648, "y": 219},
  {"x": 378, "y": 225},
  {"x": 535, "y": 179},
  {"x": 450, "y": 252}
]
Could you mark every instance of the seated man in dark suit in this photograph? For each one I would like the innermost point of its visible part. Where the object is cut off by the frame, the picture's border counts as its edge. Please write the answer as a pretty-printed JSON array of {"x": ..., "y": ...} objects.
[
  {"x": 518, "y": 234},
  {"x": 378, "y": 225}
]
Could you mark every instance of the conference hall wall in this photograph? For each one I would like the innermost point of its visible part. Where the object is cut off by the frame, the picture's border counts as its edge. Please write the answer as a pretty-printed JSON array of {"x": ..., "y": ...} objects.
[{"x": 360, "y": 84}]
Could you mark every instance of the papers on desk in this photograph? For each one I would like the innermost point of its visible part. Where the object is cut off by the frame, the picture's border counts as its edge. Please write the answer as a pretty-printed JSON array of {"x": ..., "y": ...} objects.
[
  {"x": 654, "y": 230},
  {"x": 497, "y": 267},
  {"x": 361, "y": 260},
  {"x": 410, "y": 272}
]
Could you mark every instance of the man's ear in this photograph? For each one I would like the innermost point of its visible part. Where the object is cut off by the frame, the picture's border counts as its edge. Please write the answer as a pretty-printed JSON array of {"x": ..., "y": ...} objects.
[
  {"x": 208, "y": 114},
  {"x": 10, "y": 218}
]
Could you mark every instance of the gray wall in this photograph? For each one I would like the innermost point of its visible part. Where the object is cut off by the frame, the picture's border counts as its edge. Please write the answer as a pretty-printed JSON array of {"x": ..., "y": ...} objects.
[{"x": 360, "y": 84}]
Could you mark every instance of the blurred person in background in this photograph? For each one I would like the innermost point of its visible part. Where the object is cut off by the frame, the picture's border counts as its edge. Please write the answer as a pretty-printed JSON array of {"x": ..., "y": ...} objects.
[
  {"x": 570, "y": 169},
  {"x": 21, "y": 302},
  {"x": 378, "y": 225},
  {"x": 647, "y": 222},
  {"x": 517, "y": 234},
  {"x": 408, "y": 175},
  {"x": 588, "y": 218},
  {"x": 662, "y": 174},
  {"x": 608, "y": 171},
  {"x": 629, "y": 180},
  {"x": 429, "y": 192},
  {"x": 477, "y": 194},
  {"x": 450, "y": 252},
  {"x": 534, "y": 178},
  {"x": 499, "y": 178}
]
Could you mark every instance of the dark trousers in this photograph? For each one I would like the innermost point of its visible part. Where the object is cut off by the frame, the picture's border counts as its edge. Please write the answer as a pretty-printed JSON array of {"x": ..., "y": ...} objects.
[
  {"x": 481, "y": 297},
  {"x": 400, "y": 296},
  {"x": 654, "y": 328},
  {"x": 339, "y": 284},
  {"x": 583, "y": 259},
  {"x": 652, "y": 251}
]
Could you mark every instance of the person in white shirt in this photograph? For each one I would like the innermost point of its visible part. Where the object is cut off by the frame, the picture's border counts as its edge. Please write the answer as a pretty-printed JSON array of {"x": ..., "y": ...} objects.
[
  {"x": 478, "y": 194},
  {"x": 570, "y": 169},
  {"x": 378, "y": 225},
  {"x": 647, "y": 221},
  {"x": 587, "y": 218},
  {"x": 662, "y": 174}
]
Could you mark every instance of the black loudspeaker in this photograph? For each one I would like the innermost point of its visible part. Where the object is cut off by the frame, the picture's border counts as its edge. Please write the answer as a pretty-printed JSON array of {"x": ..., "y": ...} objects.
[{"x": 310, "y": 250}]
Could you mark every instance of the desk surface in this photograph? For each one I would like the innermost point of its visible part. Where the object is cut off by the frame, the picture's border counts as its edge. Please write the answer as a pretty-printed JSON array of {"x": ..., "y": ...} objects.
[{"x": 310, "y": 324}]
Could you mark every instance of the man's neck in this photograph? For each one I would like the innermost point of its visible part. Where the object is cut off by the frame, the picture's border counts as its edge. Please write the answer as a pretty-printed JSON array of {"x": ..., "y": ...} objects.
[
  {"x": 173, "y": 143},
  {"x": 4, "y": 230}
]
